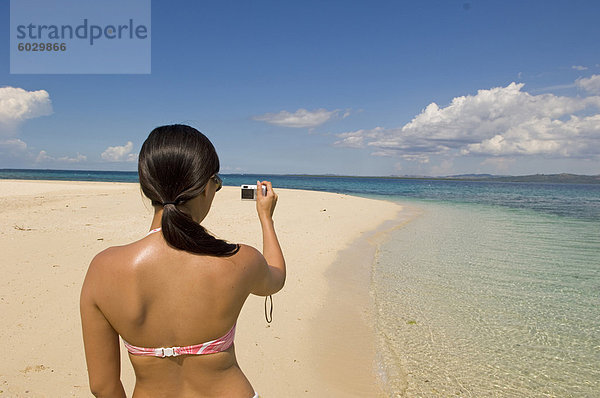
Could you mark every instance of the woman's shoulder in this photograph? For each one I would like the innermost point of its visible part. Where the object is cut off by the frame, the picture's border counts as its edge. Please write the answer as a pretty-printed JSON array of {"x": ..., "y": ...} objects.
[
  {"x": 247, "y": 252},
  {"x": 98, "y": 274},
  {"x": 103, "y": 257},
  {"x": 248, "y": 257},
  {"x": 111, "y": 257},
  {"x": 112, "y": 251}
]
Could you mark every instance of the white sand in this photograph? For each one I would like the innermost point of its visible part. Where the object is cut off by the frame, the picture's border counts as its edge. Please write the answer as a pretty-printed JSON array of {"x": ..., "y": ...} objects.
[{"x": 51, "y": 230}]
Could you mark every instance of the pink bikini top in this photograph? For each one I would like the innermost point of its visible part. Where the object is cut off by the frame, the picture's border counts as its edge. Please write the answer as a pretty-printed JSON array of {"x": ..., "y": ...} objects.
[{"x": 210, "y": 347}]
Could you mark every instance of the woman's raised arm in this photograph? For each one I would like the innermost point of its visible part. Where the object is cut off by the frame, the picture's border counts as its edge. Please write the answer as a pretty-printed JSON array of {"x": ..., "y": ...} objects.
[{"x": 273, "y": 261}]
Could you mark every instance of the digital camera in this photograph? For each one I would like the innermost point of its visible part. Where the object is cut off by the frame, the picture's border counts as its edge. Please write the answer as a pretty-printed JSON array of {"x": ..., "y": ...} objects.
[{"x": 249, "y": 192}]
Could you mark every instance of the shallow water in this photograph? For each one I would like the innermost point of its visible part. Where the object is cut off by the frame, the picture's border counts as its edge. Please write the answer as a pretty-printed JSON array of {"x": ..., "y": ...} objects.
[{"x": 484, "y": 301}]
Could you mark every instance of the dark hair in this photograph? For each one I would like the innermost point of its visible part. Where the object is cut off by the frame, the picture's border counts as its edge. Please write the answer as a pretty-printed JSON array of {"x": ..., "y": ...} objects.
[{"x": 175, "y": 164}]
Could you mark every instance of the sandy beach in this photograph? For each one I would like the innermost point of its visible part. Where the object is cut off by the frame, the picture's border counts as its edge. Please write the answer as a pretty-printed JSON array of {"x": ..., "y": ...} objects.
[{"x": 52, "y": 230}]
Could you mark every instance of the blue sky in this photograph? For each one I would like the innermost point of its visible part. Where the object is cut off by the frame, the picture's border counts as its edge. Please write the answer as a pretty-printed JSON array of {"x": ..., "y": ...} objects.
[{"x": 343, "y": 87}]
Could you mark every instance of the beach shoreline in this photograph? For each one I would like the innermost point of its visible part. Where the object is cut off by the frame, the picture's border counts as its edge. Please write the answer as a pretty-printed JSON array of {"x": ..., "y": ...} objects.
[
  {"x": 54, "y": 228},
  {"x": 352, "y": 287}
]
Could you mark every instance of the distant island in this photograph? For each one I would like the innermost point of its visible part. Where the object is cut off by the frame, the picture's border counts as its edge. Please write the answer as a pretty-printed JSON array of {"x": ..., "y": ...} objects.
[{"x": 563, "y": 178}]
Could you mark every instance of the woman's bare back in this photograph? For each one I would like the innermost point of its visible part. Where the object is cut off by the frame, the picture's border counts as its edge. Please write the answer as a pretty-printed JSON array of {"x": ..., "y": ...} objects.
[{"x": 158, "y": 296}]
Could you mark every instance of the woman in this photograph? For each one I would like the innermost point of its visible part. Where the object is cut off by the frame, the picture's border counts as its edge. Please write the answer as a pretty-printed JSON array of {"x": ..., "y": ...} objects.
[{"x": 174, "y": 296}]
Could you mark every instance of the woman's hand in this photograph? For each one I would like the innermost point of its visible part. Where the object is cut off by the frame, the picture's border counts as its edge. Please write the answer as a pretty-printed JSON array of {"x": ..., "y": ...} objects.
[{"x": 265, "y": 204}]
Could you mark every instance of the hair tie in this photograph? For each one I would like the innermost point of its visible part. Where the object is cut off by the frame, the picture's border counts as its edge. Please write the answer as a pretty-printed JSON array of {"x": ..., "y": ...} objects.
[{"x": 169, "y": 203}]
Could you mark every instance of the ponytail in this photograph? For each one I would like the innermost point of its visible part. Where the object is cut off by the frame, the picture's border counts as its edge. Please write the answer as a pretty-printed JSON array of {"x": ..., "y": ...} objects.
[{"x": 182, "y": 232}]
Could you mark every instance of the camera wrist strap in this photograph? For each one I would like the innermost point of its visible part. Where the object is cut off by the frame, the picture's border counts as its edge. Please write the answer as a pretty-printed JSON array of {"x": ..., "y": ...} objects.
[{"x": 269, "y": 314}]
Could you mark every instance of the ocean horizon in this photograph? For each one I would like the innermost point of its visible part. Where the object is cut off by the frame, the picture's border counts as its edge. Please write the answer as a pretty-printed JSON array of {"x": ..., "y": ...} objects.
[
  {"x": 129, "y": 175},
  {"x": 490, "y": 290}
]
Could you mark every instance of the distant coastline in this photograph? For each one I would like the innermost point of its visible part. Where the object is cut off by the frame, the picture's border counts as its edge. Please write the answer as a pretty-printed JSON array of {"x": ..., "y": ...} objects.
[
  {"x": 563, "y": 178},
  {"x": 130, "y": 176}
]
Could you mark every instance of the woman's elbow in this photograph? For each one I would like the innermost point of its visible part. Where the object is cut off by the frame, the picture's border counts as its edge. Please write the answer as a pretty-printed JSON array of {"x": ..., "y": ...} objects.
[
  {"x": 108, "y": 390},
  {"x": 279, "y": 282}
]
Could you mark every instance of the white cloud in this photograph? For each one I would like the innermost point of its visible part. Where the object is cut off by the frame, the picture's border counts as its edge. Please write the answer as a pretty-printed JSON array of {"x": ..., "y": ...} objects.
[
  {"x": 17, "y": 105},
  {"x": 590, "y": 84},
  {"x": 356, "y": 139},
  {"x": 13, "y": 148},
  {"x": 300, "y": 118},
  {"x": 384, "y": 153},
  {"x": 43, "y": 157},
  {"x": 416, "y": 158},
  {"x": 120, "y": 153},
  {"x": 77, "y": 159},
  {"x": 502, "y": 121},
  {"x": 13, "y": 145},
  {"x": 232, "y": 169},
  {"x": 579, "y": 67}
]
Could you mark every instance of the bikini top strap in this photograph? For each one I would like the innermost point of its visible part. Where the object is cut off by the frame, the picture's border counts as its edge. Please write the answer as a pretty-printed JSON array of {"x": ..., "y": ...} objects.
[{"x": 154, "y": 230}]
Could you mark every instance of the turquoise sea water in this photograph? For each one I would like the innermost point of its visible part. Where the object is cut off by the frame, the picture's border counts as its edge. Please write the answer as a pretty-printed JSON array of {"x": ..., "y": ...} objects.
[
  {"x": 483, "y": 301},
  {"x": 492, "y": 290}
]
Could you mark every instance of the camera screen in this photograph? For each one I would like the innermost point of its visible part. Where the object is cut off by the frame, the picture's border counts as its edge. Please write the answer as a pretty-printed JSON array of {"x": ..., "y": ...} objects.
[{"x": 247, "y": 193}]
